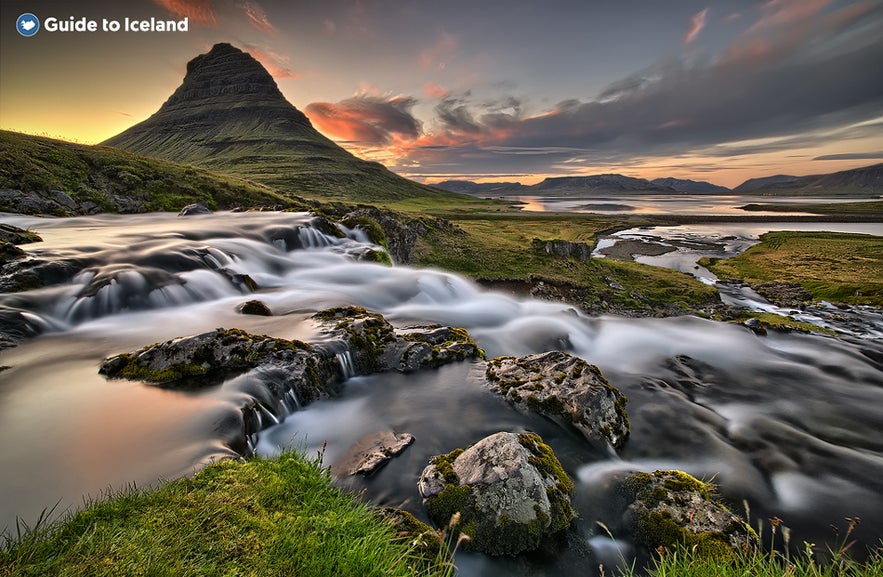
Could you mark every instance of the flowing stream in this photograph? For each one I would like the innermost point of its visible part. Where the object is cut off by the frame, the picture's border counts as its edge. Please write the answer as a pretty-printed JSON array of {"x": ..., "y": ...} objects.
[{"x": 789, "y": 423}]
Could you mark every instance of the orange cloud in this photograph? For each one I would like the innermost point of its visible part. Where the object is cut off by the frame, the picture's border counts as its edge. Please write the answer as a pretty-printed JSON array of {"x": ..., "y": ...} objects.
[
  {"x": 277, "y": 65},
  {"x": 432, "y": 90},
  {"x": 697, "y": 23},
  {"x": 258, "y": 18},
  {"x": 367, "y": 120},
  {"x": 198, "y": 11}
]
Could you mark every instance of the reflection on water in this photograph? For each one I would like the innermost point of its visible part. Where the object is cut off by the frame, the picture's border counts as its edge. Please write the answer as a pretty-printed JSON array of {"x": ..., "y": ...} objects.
[{"x": 684, "y": 204}]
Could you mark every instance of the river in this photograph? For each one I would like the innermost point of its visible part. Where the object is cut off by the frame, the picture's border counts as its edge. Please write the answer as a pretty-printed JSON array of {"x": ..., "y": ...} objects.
[{"x": 789, "y": 423}]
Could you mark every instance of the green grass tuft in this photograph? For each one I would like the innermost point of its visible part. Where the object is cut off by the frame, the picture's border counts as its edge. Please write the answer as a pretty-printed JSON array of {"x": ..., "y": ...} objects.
[{"x": 260, "y": 517}]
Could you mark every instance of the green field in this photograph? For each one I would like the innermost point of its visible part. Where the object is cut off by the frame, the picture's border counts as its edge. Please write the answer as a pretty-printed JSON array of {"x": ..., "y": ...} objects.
[{"x": 836, "y": 267}]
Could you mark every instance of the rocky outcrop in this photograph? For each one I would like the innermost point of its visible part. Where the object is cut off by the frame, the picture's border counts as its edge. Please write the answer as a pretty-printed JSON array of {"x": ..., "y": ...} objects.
[
  {"x": 671, "y": 508},
  {"x": 14, "y": 328},
  {"x": 508, "y": 493},
  {"x": 372, "y": 452},
  {"x": 784, "y": 294},
  {"x": 560, "y": 385},
  {"x": 377, "y": 346},
  {"x": 394, "y": 232},
  {"x": 564, "y": 248},
  {"x": 284, "y": 374},
  {"x": 195, "y": 208},
  {"x": 15, "y": 235}
]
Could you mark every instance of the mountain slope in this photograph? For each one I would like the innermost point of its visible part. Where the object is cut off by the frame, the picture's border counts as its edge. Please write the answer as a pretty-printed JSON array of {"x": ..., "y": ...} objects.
[
  {"x": 229, "y": 116},
  {"x": 687, "y": 186},
  {"x": 860, "y": 182},
  {"x": 45, "y": 176}
]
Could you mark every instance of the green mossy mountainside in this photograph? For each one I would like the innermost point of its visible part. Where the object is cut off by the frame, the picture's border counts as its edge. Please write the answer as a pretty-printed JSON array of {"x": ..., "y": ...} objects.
[
  {"x": 229, "y": 116},
  {"x": 276, "y": 516},
  {"x": 104, "y": 179},
  {"x": 835, "y": 267}
]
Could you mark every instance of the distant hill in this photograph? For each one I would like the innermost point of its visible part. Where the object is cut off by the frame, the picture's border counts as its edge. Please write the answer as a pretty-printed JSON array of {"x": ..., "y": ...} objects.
[
  {"x": 858, "y": 182},
  {"x": 483, "y": 188},
  {"x": 229, "y": 116},
  {"x": 598, "y": 184},
  {"x": 690, "y": 186}
]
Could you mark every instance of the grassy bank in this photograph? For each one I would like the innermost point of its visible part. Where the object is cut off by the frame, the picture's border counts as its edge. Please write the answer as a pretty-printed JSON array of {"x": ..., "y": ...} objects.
[
  {"x": 95, "y": 173},
  {"x": 497, "y": 248},
  {"x": 859, "y": 208},
  {"x": 261, "y": 517},
  {"x": 836, "y": 267}
]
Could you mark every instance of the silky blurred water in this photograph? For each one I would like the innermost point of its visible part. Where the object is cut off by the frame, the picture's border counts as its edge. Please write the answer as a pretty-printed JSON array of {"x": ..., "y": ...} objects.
[{"x": 789, "y": 423}]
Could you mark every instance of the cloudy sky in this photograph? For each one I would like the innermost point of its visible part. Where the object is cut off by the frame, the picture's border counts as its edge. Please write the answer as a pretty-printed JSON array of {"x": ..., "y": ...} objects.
[{"x": 719, "y": 90}]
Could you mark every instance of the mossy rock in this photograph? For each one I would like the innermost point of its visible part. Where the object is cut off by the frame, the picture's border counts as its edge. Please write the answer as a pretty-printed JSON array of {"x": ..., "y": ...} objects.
[
  {"x": 672, "y": 508},
  {"x": 254, "y": 307},
  {"x": 560, "y": 385},
  {"x": 508, "y": 493}
]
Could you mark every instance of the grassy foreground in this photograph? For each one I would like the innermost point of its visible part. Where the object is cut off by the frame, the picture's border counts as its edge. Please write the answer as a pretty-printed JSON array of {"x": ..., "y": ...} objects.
[
  {"x": 836, "y": 267},
  {"x": 260, "y": 517}
]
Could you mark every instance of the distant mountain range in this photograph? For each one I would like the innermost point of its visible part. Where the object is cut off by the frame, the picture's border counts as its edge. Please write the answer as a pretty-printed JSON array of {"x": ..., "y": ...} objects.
[
  {"x": 859, "y": 182},
  {"x": 866, "y": 181},
  {"x": 229, "y": 116}
]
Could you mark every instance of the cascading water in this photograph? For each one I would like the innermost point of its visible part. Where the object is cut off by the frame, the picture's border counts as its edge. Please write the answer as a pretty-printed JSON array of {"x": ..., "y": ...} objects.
[{"x": 788, "y": 422}]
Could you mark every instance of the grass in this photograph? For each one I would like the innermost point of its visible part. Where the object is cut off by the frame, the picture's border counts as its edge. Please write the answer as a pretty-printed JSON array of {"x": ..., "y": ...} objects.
[
  {"x": 836, "y": 267},
  {"x": 497, "y": 248},
  {"x": 94, "y": 173},
  {"x": 865, "y": 208},
  {"x": 260, "y": 517},
  {"x": 774, "y": 561}
]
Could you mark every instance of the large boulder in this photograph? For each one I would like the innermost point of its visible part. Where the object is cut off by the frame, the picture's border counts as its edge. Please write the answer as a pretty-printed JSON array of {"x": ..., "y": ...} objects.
[
  {"x": 672, "y": 508},
  {"x": 508, "y": 493},
  {"x": 560, "y": 385}
]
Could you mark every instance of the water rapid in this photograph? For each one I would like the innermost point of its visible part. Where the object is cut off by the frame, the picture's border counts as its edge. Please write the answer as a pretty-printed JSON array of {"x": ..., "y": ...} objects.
[{"x": 787, "y": 423}]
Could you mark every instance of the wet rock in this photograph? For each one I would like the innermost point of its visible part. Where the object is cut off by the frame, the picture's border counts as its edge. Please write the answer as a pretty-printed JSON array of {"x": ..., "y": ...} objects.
[
  {"x": 377, "y": 346},
  {"x": 14, "y": 328},
  {"x": 195, "y": 208},
  {"x": 254, "y": 307},
  {"x": 671, "y": 508},
  {"x": 508, "y": 493},
  {"x": 756, "y": 326},
  {"x": 279, "y": 375},
  {"x": 372, "y": 452},
  {"x": 53, "y": 202},
  {"x": 558, "y": 384},
  {"x": 217, "y": 352},
  {"x": 15, "y": 235}
]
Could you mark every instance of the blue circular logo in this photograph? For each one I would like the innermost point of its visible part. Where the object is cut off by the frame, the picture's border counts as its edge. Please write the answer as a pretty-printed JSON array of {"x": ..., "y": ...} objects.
[{"x": 27, "y": 24}]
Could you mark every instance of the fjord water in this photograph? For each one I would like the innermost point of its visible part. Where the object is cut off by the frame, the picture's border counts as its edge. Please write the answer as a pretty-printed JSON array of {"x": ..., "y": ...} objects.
[{"x": 789, "y": 423}]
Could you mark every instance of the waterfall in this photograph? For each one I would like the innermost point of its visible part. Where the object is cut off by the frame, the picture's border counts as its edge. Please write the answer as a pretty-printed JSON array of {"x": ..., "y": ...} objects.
[{"x": 345, "y": 360}]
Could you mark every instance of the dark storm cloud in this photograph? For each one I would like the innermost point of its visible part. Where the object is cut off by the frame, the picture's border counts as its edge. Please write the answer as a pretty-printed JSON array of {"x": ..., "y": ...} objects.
[
  {"x": 851, "y": 156},
  {"x": 792, "y": 84}
]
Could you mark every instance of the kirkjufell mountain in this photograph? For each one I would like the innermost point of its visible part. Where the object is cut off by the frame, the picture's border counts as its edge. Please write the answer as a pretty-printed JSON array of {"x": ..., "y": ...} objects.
[{"x": 229, "y": 116}]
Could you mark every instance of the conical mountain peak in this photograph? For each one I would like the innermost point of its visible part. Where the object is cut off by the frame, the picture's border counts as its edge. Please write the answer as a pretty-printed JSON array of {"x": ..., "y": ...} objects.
[
  {"x": 228, "y": 115},
  {"x": 223, "y": 72}
]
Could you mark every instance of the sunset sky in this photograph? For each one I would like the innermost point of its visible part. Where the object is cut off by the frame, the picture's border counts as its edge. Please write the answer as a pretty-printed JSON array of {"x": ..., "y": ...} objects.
[{"x": 718, "y": 90}]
